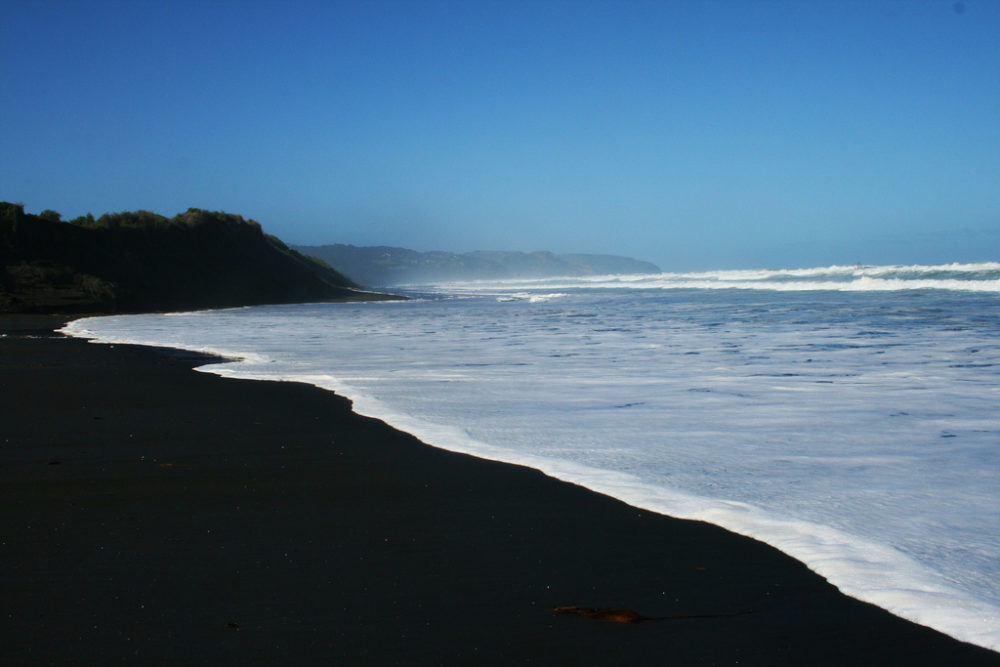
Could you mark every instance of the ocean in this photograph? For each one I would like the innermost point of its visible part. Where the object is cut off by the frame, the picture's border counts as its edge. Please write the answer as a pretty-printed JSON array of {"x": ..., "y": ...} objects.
[{"x": 849, "y": 416}]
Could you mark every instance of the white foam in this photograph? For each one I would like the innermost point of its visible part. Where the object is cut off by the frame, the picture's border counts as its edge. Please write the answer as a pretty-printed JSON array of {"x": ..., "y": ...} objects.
[
  {"x": 875, "y": 475},
  {"x": 857, "y": 567},
  {"x": 860, "y": 284},
  {"x": 79, "y": 329},
  {"x": 979, "y": 277}
]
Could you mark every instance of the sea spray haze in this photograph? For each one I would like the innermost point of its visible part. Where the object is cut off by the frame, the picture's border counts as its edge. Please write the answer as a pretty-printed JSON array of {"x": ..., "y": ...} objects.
[{"x": 847, "y": 415}]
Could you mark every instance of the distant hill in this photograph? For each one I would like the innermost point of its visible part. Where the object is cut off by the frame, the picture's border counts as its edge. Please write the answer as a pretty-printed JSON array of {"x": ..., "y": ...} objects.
[
  {"x": 382, "y": 266},
  {"x": 141, "y": 261}
]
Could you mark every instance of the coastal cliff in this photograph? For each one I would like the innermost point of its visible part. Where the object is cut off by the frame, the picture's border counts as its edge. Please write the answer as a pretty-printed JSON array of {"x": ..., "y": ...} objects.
[
  {"x": 141, "y": 261},
  {"x": 386, "y": 266}
]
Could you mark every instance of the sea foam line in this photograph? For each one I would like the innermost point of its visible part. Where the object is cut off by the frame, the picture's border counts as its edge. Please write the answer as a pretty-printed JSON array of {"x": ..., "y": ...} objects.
[
  {"x": 860, "y": 284},
  {"x": 862, "y": 569},
  {"x": 978, "y": 277}
]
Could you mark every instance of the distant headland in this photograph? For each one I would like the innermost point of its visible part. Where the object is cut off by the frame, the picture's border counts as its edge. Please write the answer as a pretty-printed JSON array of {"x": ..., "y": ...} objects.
[
  {"x": 141, "y": 262},
  {"x": 383, "y": 266}
]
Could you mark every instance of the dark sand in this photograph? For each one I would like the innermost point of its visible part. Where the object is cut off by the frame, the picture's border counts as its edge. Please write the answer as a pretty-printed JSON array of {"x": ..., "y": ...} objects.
[{"x": 154, "y": 515}]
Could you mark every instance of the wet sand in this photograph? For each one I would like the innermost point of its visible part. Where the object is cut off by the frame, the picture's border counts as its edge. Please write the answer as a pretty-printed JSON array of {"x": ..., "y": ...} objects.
[{"x": 151, "y": 514}]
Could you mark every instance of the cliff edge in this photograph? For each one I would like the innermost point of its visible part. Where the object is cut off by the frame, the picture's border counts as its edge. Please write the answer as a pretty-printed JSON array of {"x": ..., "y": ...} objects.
[{"x": 141, "y": 261}]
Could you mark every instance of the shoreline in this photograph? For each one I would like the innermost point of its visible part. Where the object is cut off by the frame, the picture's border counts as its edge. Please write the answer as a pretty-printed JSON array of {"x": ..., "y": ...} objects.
[
  {"x": 865, "y": 568},
  {"x": 162, "y": 514}
]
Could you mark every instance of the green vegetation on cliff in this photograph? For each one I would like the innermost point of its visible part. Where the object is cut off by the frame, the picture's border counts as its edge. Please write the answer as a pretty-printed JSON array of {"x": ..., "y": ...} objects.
[{"x": 142, "y": 261}]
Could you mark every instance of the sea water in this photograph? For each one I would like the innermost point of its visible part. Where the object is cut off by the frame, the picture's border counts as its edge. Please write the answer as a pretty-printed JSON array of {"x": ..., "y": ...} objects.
[{"x": 849, "y": 416}]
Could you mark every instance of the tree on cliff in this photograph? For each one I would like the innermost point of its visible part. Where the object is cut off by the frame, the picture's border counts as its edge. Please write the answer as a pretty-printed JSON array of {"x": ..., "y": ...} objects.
[{"x": 142, "y": 261}]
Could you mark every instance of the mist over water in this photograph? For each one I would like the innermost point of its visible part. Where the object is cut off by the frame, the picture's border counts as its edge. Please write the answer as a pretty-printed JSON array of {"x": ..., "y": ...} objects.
[{"x": 854, "y": 426}]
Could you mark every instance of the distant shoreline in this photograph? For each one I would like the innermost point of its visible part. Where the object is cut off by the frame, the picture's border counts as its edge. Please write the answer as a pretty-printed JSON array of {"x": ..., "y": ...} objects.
[{"x": 386, "y": 266}]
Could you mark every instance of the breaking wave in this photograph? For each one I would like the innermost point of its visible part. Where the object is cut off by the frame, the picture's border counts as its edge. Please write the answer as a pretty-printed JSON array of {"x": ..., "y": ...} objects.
[{"x": 977, "y": 277}]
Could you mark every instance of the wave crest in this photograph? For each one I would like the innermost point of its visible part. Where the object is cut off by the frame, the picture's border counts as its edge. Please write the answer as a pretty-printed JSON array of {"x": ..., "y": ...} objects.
[{"x": 969, "y": 277}]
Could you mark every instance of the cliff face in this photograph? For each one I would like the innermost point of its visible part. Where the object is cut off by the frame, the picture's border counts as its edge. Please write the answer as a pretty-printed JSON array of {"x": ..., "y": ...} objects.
[
  {"x": 385, "y": 266},
  {"x": 131, "y": 262}
]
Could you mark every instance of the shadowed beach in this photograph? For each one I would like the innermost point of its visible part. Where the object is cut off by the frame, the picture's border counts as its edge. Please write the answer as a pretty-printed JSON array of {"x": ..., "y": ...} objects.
[{"x": 155, "y": 514}]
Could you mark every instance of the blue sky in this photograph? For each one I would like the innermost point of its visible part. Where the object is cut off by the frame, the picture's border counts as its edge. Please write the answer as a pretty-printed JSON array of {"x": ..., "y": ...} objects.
[{"x": 691, "y": 134}]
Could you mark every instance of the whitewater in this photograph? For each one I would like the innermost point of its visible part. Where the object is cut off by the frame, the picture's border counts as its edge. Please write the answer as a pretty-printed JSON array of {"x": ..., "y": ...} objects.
[{"x": 847, "y": 415}]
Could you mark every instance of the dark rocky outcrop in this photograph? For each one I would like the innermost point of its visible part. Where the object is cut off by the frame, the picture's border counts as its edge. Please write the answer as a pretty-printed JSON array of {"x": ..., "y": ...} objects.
[{"x": 141, "y": 261}]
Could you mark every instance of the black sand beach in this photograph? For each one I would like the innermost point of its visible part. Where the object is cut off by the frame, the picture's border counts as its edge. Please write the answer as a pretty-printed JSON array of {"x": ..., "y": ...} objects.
[{"x": 154, "y": 515}]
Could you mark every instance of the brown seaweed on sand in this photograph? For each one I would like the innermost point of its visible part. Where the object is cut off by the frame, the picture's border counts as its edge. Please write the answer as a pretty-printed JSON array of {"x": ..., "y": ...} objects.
[{"x": 624, "y": 615}]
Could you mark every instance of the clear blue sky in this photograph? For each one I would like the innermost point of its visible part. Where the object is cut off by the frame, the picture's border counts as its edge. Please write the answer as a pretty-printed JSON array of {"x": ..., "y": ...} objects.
[{"x": 692, "y": 134}]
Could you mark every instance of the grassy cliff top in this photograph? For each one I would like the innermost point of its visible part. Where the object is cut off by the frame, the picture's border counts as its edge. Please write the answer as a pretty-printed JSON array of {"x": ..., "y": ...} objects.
[{"x": 142, "y": 261}]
